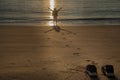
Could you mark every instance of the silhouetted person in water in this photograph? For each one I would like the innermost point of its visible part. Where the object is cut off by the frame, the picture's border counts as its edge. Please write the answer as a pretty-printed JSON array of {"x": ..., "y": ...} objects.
[{"x": 55, "y": 14}]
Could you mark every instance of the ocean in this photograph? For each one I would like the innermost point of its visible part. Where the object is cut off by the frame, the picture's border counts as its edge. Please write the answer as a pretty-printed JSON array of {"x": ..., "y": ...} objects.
[{"x": 73, "y": 12}]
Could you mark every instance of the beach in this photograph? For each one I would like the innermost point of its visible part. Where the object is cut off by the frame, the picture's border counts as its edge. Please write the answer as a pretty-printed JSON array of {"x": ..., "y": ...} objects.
[{"x": 28, "y": 53}]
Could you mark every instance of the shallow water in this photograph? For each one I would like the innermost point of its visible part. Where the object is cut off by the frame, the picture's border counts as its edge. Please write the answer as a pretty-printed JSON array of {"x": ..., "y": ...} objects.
[{"x": 74, "y": 12}]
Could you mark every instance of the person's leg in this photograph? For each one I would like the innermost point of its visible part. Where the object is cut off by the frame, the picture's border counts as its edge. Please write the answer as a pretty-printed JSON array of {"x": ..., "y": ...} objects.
[{"x": 56, "y": 20}]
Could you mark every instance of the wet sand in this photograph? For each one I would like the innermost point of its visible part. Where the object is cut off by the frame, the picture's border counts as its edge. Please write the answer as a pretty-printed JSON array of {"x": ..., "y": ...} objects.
[{"x": 27, "y": 53}]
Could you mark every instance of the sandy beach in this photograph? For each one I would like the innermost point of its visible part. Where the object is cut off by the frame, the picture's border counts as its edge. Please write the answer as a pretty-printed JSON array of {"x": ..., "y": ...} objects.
[{"x": 27, "y": 53}]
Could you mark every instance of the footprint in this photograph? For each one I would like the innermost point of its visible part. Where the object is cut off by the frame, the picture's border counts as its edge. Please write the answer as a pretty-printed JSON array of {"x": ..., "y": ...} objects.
[
  {"x": 76, "y": 53},
  {"x": 29, "y": 60},
  {"x": 74, "y": 33},
  {"x": 77, "y": 68},
  {"x": 92, "y": 62},
  {"x": 67, "y": 45},
  {"x": 44, "y": 68},
  {"x": 78, "y": 48},
  {"x": 64, "y": 38},
  {"x": 118, "y": 61},
  {"x": 48, "y": 38},
  {"x": 13, "y": 63},
  {"x": 88, "y": 60}
]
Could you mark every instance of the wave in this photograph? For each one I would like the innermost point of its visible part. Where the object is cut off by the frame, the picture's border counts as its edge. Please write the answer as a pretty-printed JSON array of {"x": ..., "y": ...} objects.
[
  {"x": 14, "y": 11},
  {"x": 39, "y": 19},
  {"x": 91, "y": 19}
]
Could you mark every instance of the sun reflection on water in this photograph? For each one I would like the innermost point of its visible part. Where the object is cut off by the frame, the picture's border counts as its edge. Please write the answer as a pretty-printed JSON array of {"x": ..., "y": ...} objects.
[{"x": 52, "y": 5}]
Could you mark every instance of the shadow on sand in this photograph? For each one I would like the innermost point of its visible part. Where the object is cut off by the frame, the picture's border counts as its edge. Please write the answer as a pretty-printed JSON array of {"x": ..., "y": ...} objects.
[
  {"x": 57, "y": 28},
  {"x": 112, "y": 78},
  {"x": 94, "y": 78}
]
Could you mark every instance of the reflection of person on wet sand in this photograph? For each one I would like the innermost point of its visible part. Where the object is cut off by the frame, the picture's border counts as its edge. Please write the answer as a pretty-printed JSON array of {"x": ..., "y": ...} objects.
[{"x": 55, "y": 14}]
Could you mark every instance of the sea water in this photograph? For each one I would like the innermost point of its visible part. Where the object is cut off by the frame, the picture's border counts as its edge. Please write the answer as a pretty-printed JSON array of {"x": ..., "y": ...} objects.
[{"x": 73, "y": 13}]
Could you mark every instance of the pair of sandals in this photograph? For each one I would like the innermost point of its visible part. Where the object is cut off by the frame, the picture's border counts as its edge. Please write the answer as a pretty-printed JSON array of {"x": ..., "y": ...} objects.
[{"x": 107, "y": 70}]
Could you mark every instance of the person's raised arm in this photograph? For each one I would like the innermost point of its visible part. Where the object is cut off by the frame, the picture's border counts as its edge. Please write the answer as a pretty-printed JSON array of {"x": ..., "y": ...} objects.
[
  {"x": 59, "y": 9},
  {"x": 50, "y": 9}
]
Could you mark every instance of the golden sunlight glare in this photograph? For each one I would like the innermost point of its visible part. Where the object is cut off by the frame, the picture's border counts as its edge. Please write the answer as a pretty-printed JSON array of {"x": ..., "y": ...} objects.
[{"x": 52, "y": 5}]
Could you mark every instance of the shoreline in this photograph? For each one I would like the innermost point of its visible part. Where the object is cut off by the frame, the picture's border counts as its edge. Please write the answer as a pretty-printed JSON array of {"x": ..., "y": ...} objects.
[
  {"x": 94, "y": 25},
  {"x": 38, "y": 25}
]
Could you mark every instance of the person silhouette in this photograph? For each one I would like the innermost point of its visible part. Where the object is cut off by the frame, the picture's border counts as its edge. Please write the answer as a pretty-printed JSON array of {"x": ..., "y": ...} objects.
[{"x": 55, "y": 14}]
